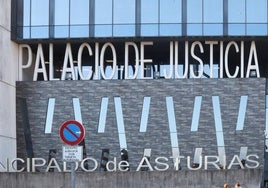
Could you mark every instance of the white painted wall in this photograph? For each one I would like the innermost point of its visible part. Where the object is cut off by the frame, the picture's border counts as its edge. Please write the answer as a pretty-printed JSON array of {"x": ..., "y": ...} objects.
[{"x": 8, "y": 77}]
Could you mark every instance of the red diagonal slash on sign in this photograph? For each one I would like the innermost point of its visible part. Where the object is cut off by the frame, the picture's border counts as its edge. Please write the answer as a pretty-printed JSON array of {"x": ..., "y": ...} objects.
[{"x": 78, "y": 138}]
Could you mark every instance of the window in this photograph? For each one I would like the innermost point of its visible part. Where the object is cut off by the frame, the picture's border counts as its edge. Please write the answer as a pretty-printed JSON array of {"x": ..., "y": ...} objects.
[
  {"x": 61, "y": 29},
  {"x": 256, "y": 17},
  {"x": 39, "y": 18},
  {"x": 124, "y": 18},
  {"x": 149, "y": 18},
  {"x": 79, "y": 18},
  {"x": 213, "y": 17},
  {"x": 194, "y": 17},
  {"x": 236, "y": 17},
  {"x": 170, "y": 17},
  {"x": 26, "y": 19},
  {"x": 103, "y": 18}
]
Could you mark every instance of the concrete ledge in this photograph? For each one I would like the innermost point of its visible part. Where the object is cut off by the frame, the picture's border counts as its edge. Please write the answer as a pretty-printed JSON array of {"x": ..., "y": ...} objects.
[{"x": 249, "y": 178}]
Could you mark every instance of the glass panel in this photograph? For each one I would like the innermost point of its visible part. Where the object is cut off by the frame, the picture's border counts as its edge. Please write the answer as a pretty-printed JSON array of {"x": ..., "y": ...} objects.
[
  {"x": 103, "y": 30},
  {"x": 61, "y": 31},
  {"x": 149, "y": 18},
  {"x": 149, "y": 11},
  {"x": 39, "y": 32},
  {"x": 100, "y": 6},
  {"x": 79, "y": 13},
  {"x": 236, "y": 29},
  {"x": 207, "y": 72},
  {"x": 26, "y": 12},
  {"x": 194, "y": 11},
  {"x": 124, "y": 30},
  {"x": 165, "y": 70},
  {"x": 50, "y": 113},
  {"x": 79, "y": 18},
  {"x": 194, "y": 29},
  {"x": 26, "y": 32},
  {"x": 196, "y": 113},
  {"x": 103, "y": 21},
  {"x": 242, "y": 113},
  {"x": 61, "y": 18},
  {"x": 194, "y": 17},
  {"x": 39, "y": 12},
  {"x": 213, "y": 14},
  {"x": 145, "y": 114},
  {"x": 79, "y": 31},
  {"x": 256, "y": 29},
  {"x": 149, "y": 29},
  {"x": 170, "y": 11},
  {"x": 124, "y": 12},
  {"x": 256, "y": 11},
  {"x": 170, "y": 29},
  {"x": 236, "y": 11},
  {"x": 39, "y": 18},
  {"x": 103, "y": 114},
  {"x": 77, "y": 110},
  {"x": 213, "y": 11},
  {"x": 213, "y": 29}
]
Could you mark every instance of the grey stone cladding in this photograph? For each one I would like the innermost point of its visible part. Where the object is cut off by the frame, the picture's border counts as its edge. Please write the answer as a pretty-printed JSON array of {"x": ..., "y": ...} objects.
[{"x": 157, "y": 135}]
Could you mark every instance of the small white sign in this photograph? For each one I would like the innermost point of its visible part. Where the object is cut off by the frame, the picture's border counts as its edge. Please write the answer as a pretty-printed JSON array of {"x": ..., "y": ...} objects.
[{"x": 72, "y": 153}]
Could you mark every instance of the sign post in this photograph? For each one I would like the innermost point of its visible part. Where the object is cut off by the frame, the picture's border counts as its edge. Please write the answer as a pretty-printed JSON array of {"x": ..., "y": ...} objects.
[{"x": 72, "y": 133}]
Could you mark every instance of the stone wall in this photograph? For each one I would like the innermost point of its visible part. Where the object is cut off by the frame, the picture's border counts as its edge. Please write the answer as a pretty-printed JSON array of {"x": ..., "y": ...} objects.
[
  {"x": 182, "y": 179},
  {"x": 158, "y": 133}
]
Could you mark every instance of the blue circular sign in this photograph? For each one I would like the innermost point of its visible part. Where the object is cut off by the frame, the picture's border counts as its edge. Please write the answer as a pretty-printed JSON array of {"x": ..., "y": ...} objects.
[{"x": 72, "y": 132}]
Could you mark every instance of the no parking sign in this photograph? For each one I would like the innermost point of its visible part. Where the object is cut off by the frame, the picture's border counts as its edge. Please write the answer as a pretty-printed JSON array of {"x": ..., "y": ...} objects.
[{"x": 72, "y": 132}]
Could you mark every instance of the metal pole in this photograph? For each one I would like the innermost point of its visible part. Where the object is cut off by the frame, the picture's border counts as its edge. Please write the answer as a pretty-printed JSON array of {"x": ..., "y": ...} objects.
[{"x": 73, "y": 174}]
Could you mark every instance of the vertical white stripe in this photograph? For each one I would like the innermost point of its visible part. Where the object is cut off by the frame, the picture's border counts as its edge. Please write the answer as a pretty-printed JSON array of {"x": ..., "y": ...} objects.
[
  {"x": 197, "y": 154},
  {"x": 103, "y": 114},
  {"x": 243, "y": 153},
  {"x": 175, "y": 156},
  {"x": 120, "y": 123},
  {"x": 145, "y": 114},
  {"x": 241, "y": 113},
  {"x": 50, "y": 113},
  {"x": 218, "y": 128},
  {"x": 172, "y": 122},
  {"x": 196, "y": 113},
  {"x": 77, "y": 110}
]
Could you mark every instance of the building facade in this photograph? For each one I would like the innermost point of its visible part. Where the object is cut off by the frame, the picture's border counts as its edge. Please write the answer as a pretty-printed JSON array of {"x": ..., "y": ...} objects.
[
  {"x": 8, "y": 78},
  {"x": 165, "y": 85}
]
